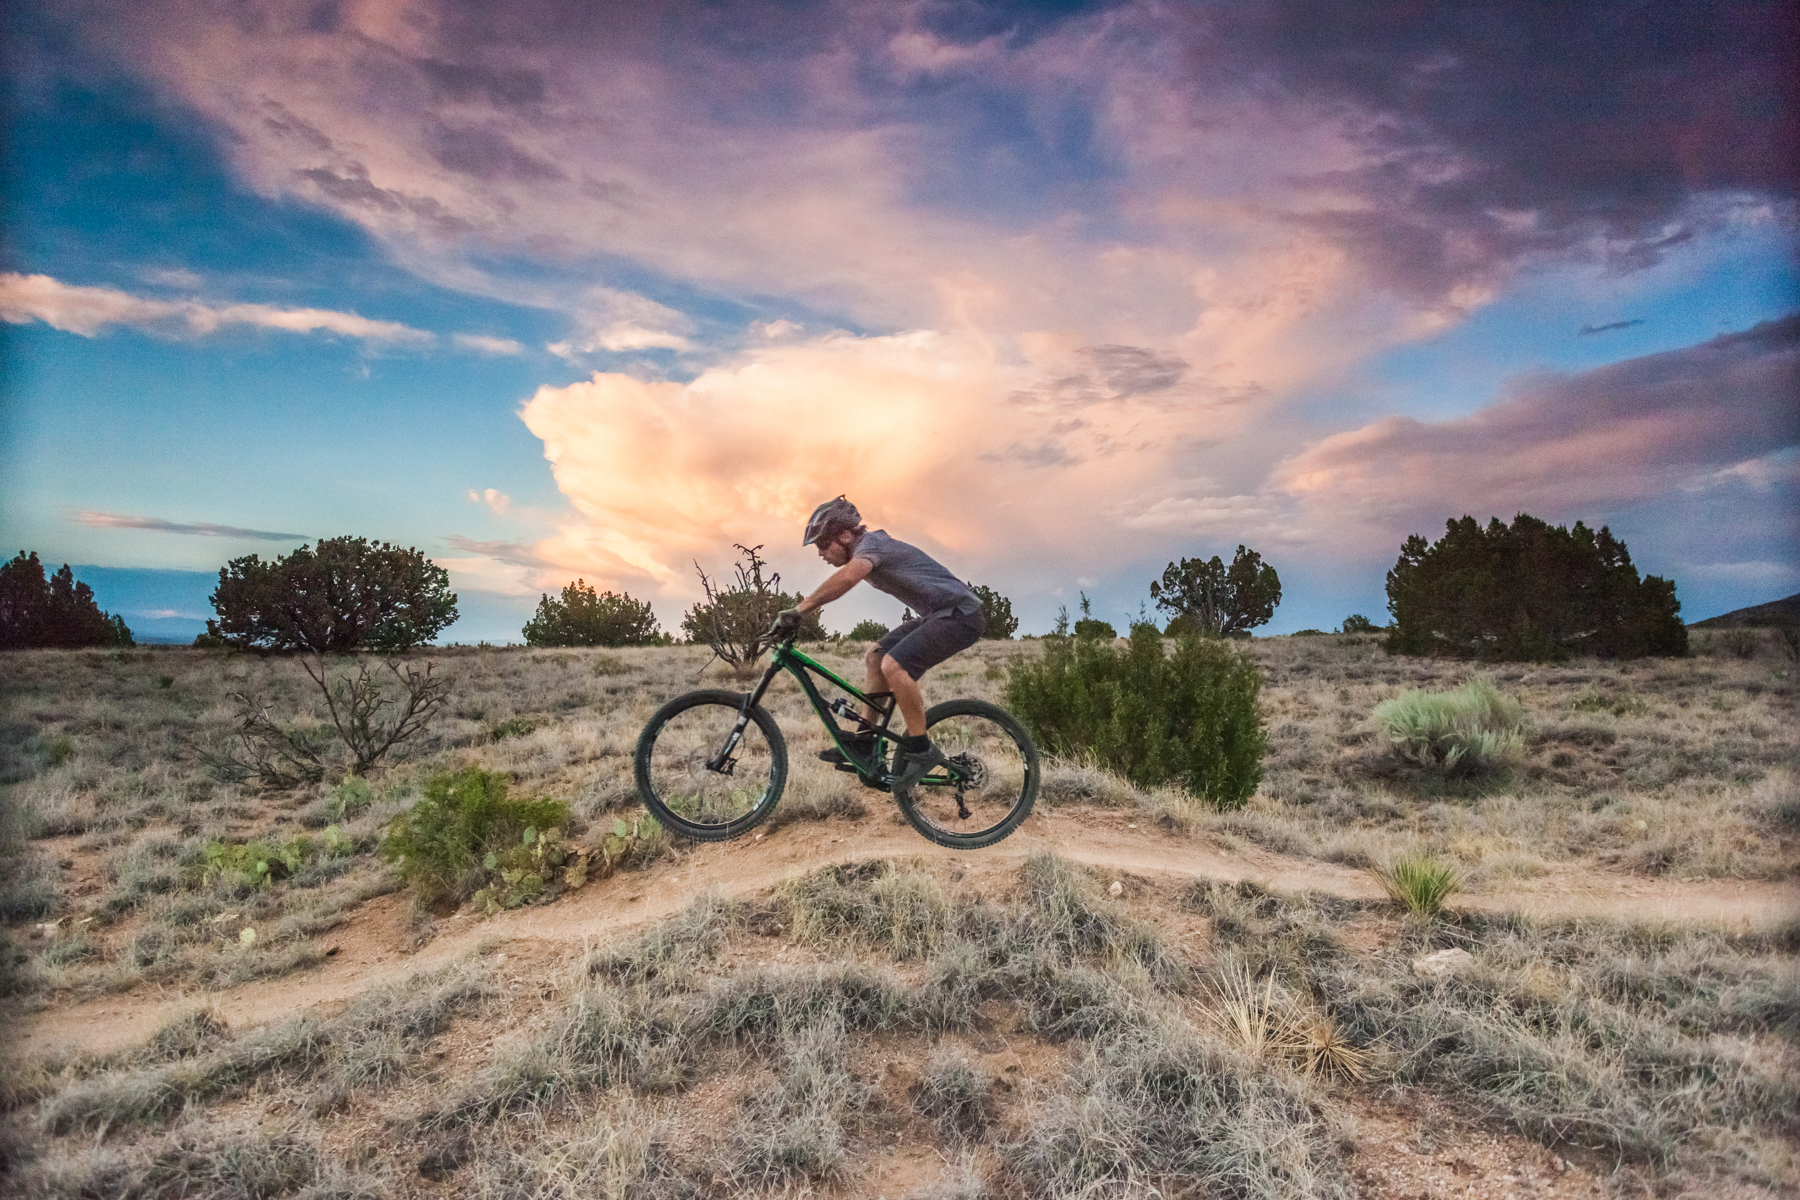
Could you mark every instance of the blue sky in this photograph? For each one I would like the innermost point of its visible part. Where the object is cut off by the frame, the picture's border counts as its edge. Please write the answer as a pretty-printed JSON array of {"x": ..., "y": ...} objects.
[{"x": 1061, "y": 292}]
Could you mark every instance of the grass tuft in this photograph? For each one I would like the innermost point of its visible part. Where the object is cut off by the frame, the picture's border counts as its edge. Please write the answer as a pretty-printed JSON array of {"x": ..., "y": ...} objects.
[
  {"x": 955, "y": 1095},
  {"x": 1462, "y": 732},
  {"x": 1419, "y": 882}
]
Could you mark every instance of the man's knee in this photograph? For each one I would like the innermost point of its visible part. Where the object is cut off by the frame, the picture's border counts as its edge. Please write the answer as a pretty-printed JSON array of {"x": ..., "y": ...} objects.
[
  {"x": 873, "y": 659},
  {"x": 892, "y": 670}
]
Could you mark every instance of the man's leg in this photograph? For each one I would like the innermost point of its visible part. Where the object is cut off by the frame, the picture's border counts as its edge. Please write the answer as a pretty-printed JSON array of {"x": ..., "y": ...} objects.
[
  {"x": 906, "y": 694},
  {"x": 935, "y": 640},
  {"x": 876, "y": 680}
]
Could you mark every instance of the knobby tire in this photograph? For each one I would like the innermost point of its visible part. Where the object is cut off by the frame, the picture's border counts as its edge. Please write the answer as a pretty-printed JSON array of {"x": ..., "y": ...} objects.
[{"x": 675, "y": 784}]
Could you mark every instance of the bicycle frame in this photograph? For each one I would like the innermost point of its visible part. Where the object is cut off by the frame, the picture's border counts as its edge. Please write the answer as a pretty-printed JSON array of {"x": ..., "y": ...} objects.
[{"x": 802, "y": 666}]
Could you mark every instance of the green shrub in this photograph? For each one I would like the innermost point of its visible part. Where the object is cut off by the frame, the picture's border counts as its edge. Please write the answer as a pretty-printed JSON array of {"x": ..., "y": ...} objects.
[
  {"x": 1357, "y": 623},
  {"x": 1419, "y": 882},
  {"x": 1090, "y": 627},
  {"x": 1459, "y": 732},
  {"x": 1153, "y": 717},
  {"x": 259, "y": 863},
  {"x": 442, "y": 842},
  {"x": 512, "y": 728},
  {"x": 867, "y": 631},
  {"x": 584, "y": 617}
]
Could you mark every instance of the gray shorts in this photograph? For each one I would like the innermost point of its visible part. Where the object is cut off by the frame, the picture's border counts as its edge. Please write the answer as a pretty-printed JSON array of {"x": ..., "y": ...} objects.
[{"x": 923, "y": 642}]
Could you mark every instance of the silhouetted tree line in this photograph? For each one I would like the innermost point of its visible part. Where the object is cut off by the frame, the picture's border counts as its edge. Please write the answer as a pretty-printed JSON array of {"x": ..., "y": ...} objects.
[
  {"x": 1528, "y": 591},
  {"x": 59, "y": 611}
]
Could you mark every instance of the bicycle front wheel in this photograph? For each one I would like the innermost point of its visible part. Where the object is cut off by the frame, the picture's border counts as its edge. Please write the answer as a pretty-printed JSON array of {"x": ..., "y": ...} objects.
[
  {"x": 697, "y": 785},
  {"x": 990, "y": 783}
]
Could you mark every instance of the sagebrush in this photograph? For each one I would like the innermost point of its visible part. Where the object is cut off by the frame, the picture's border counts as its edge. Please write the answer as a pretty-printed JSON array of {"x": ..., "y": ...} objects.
[{"x": 1470, "y": 729}]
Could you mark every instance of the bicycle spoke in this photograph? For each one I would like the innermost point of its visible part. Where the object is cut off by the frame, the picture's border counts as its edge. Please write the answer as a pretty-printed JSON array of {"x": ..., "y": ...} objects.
[
  {"x": 678, "y": 781},
  {"x": 989, "y": 785}
]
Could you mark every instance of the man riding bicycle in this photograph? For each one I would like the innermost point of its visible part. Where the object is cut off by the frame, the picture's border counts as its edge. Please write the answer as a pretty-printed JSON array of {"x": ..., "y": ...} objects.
[{"x": 952, "y": 622}]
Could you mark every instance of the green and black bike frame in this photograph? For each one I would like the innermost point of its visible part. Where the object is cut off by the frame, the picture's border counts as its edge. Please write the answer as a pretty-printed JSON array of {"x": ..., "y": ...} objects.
[{"x": 802, "y": 667}]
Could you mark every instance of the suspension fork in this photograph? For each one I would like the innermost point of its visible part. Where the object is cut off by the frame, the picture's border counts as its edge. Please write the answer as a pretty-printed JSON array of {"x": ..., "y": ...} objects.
[{"x": 722, "y": 762}]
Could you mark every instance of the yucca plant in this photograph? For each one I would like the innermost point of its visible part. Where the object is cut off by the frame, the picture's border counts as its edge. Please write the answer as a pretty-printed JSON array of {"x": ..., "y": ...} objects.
[
  {"x": 1420, "y": 882},
  {"x": 1269, "y": 1025},
  {"x": 1459, "y": 732}
]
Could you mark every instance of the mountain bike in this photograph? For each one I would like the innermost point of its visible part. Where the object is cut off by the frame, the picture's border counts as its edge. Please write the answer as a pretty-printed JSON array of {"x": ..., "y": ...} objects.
[{"x": 711, "y": 765}]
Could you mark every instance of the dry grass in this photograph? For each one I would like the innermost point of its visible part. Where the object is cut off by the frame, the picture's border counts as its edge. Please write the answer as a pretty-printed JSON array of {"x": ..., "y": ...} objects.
[
  {"x": 679, "y": 1065},
  {"x": 1668, "y": 1052},
  {"x": 1684, "y": 768}
]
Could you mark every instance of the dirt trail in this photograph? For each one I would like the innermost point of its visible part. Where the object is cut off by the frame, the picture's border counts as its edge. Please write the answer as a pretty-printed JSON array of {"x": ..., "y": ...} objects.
[{"x": 376, "y": 946}]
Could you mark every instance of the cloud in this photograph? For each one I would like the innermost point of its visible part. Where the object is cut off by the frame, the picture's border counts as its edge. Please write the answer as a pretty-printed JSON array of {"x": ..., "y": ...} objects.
[
  {"x": 1088, "y": 254},
  {"x": 516, "y": 554},
  {"x": 483, "y": 344},
  {"x": 1129, "y": 171},
  {"x": 618, "y": 321},
  {"x": 1570, "y": 444},
  {"x": 88, "y": 310},
  {"x": 496, "y": 500},
  {"x": 1590, "y": 330},
  {"x": 105, "y": 520},
  {"x": 920, "y": 429},
  {"x": 1231, "y": 515}
]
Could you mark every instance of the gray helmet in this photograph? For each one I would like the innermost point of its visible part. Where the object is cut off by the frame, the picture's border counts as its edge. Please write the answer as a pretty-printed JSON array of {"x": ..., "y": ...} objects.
[{"x": 830, "y": 519}]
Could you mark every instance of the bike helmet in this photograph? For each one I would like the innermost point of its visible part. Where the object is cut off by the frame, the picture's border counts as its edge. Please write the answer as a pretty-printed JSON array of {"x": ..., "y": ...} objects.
[{"x": 830, "y": 519}]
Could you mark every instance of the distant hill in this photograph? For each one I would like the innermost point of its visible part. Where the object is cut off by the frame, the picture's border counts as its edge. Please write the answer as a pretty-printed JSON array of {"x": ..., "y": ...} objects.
[{"x": 1775, "y": 612}]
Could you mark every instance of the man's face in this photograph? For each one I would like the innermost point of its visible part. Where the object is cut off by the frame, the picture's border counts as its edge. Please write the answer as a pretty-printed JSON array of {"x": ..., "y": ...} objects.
[{"x": 836, "y": 549}]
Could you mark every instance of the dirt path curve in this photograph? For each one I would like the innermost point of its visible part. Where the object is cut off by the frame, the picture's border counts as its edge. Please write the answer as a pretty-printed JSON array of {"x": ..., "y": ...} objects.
[{"x": 375, "y": 947}]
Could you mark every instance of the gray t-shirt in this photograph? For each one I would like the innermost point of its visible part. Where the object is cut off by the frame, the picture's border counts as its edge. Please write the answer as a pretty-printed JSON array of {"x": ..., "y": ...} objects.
[{"x": 912, "y": 576}]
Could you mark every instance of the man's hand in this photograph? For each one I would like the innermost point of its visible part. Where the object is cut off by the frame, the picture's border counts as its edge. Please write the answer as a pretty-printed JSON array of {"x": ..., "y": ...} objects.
[{"x": 788, "y": 621}]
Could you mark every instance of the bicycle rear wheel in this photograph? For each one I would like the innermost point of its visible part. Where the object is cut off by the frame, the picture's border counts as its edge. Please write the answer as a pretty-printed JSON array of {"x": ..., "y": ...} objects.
[
  {"x": 678, "y": 781},
  {"x": 990, "y": 784}
]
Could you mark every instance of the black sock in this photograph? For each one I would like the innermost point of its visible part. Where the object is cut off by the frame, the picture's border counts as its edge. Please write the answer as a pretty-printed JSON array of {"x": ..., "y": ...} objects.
[{"x": 916, "y": 742}]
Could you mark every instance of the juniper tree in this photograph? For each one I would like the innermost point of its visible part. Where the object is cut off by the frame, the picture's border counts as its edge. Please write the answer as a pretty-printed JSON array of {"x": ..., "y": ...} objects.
[
  {"x": 584, "y": 617},
  {"x": 1206, "y": 597},
  {"x": 59, "y": 611},
  {"x": 1528, "y": 591},
  {"x": 345, "y": 594}
]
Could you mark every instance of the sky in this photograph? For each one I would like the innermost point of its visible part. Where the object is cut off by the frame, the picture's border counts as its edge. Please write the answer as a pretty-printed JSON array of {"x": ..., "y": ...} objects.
[{"x": 1061, "y": 292}]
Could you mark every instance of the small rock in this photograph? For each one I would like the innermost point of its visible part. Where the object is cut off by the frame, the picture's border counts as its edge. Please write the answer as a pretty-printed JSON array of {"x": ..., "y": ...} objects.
[
  {"x": 1117, "y": 889},
  {"x": 1444, "y": 962}
]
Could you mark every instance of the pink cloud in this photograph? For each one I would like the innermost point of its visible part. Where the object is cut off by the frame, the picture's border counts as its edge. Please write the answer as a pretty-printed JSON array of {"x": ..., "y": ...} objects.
[
  {"x": 1575, "y": 445},
  {"x": 924, "y": 431},
  {"x": 88, "y": 310}
]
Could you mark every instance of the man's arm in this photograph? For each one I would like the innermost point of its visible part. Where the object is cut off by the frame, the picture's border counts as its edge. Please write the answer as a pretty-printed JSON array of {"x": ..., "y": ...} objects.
[{"x": 836, "y": 584}]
